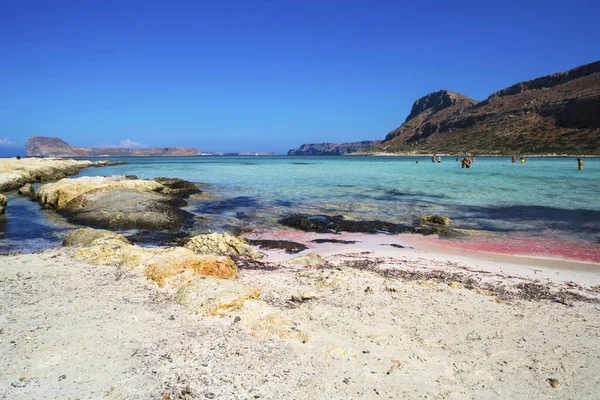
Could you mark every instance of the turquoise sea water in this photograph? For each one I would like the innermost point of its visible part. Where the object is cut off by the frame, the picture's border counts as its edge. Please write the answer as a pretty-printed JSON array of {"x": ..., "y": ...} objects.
[{"x": 545, "y": 197}]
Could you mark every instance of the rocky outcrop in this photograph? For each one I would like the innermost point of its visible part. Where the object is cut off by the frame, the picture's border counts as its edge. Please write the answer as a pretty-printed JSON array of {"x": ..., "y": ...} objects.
[
  {"x": 222, "y": 244},
  {"x": 178, "y": 187},
  {"x": 114, "y": 202},
  {"x": 3, "y": 203},
  {"x": 26, "y": 191},
  {"x": 41, "y": 146},
  {"x": 201, "y": 283},
  {"x": 87, "y": 236},
  {"x": 14, "y": 173},
  {"x": 554, "y": 114},
  {"x": 173, "y": 266},
  {"x": 337, "y": 223},
  {"x": 331, "y": 149}
]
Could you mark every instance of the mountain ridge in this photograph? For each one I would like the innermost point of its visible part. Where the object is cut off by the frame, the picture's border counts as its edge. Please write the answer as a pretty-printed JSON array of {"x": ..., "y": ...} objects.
[
  {"x": 43, "y": 146},
  {"x": 554, "y": 114}
]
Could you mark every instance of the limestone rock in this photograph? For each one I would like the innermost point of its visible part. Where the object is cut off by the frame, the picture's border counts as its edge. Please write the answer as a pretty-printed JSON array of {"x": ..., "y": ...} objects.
[
  {"x": 223, "y": 244},
  {"x": 209, "y": 296},
  {"x": 128, "y": 209},
  {"x": 27, "y": 191},
  {"x": 173, "y": 266},
  {"x": 67, "y": 192},
  {"x": 309, "y": 260},
  {"x": 3, "y": 203},
  {"x": 10, "y": 181},
  {"x": 114, "y": 202},
  {"x": 14, "y": 173},
  {"x": 326, "y": 278},
  {"x": 88, "y": 236},
  {"x": 436, "y": 219},
  {"x": 178, "y": 187}
]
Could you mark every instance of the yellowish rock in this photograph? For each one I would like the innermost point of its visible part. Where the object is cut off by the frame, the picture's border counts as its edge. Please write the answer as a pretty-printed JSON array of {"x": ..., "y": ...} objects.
[
  {"x": 68, "y": 191},
  {"x": 436, "y": 219},
  {"x": 208, "y": 296},
  {"x": 14, "y": 173},
  {"x": 326, "y": 278},
  {"x": 309, "y": 260},
  {"x": 87, "y": 236},
  {"x": 456, "y": 285},
  {"x": 3, "y": 203},
  {"x": 222, "y": 244},
  {"x": 174, "y": 266}
]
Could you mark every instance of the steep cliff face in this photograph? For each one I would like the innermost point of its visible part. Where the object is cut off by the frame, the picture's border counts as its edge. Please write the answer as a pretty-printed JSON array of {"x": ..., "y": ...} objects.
[
  {"x": 554, "y": 114},
  {"x": 331, "y": 149},
  {"x": 40, "y": 146}
]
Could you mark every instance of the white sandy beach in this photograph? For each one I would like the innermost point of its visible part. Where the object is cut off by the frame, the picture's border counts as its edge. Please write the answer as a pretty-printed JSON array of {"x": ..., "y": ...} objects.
[{"x": 72, "y": 330}]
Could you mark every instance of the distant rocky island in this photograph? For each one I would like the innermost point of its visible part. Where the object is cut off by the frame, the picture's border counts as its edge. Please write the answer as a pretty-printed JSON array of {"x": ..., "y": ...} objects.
[
  {"x": 554, "y": 114},
  {"x": 239, "y": 153},
  {"x": 41, "y": 146},
  {"x": 331, "y": 149}
]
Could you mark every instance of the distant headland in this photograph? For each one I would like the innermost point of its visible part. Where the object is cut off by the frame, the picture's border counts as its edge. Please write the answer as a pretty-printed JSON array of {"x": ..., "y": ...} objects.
[
  {"x": 557, "y": 114},
  {"x": 41, "y": 146}
]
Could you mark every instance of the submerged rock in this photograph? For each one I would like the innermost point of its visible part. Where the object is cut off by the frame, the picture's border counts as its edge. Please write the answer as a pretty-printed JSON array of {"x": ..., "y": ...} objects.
[
  {"x": 436, "y": 219},
  {"x": 222, "y": 244},
  {"x": 178, "y": 187},
  {"x": 3, "y": 203},
  {"x": 26, "y": 191},
  {"x": 288, "y": 246},
  {"x": 114, "y": 202},
  {"x": 337, "y": 223}
]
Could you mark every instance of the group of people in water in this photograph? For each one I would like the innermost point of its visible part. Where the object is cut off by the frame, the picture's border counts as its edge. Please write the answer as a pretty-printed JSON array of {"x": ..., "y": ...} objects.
[{"x": 467, "y": 160}]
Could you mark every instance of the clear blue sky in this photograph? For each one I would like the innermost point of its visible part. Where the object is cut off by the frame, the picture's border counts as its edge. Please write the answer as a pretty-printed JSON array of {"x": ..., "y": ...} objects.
[{"x": 264, "y": 75}]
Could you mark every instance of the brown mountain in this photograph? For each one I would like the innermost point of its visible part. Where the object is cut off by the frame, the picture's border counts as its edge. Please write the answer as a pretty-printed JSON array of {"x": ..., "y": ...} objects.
[
  {"x": 40, "y": 146},
  {"x": 554, "y": 114},
  {"x": 331, "y": 149}
]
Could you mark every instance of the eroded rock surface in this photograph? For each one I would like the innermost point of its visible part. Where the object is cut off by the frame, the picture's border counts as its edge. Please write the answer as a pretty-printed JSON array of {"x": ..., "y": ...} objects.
[
  {"x": 26, "y": 191},
  {"x": 14, "y": 173},
  {"x": 223, "y": 244},
  {"x": 3, "y": 203},
  {"x": 114, "y": 202},
  {"x": 172, "y": 266}
]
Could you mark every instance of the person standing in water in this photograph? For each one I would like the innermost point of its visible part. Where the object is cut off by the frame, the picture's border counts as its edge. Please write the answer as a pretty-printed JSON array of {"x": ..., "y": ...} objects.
[
  {"x": 522, "y": 158},
  {"x": 514, "y": 159},
  {"x": 579, "y": 164},
  {"x": 433, "y": 158},
  {"x": 439, "y": 159}
]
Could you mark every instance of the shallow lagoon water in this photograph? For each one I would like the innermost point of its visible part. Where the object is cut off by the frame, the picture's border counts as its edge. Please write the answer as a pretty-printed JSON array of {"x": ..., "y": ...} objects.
[{"x": 545, "y": 197}]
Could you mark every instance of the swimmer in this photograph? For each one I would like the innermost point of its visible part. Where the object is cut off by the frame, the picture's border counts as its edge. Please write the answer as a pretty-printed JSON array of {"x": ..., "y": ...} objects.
[
  {"x": 514, "y": 159},
  {"x": 579, "y": 164},
  {"x": 522, "y": 158}
]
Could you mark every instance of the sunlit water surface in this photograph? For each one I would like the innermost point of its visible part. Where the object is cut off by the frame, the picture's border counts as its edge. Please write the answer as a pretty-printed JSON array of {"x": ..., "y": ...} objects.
[{"x": 544, "y": 198}]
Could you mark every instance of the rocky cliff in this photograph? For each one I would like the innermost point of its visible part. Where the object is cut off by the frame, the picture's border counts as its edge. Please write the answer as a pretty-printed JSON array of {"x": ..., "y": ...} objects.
[
  {"x": 40, "y": 146},
  {"x": 554, "y": 114},
  {"x": 331, "y": 149}
]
